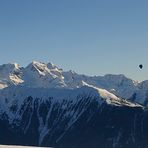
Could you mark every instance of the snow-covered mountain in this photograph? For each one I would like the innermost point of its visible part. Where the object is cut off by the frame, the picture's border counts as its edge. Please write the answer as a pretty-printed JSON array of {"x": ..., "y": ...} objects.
[
  {"x": 42, "y": 105},
  {"x": 45, "y": 117},
  {"x": 41, "y": 75},
  {"x": 10, "y": 74}
]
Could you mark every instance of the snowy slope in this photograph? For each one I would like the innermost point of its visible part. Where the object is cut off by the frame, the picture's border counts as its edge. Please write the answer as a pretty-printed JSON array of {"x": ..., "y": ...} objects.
[
  {"x": 15, "y": 96},
  {"x": 49, "y": 111}
]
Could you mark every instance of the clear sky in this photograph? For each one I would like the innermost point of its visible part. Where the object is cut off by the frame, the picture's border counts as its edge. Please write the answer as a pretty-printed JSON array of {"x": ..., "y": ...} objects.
[{"x": 93, "y": 37}]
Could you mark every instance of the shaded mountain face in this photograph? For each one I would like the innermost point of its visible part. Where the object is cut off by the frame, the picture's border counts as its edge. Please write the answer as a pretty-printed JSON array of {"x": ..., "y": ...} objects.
[
  {"x": 71, "y": 118},
  {"x": 42, "y": 105}
]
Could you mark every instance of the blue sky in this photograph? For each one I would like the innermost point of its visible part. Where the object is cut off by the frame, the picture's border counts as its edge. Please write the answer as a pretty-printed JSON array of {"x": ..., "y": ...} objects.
[{"x": 93, "y": 37}]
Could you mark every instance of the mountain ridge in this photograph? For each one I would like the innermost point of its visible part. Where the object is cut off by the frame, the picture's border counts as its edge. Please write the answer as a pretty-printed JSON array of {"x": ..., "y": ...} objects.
[
  {"x": 38, "y": 74},
  {"x": 44, "y": 117}
]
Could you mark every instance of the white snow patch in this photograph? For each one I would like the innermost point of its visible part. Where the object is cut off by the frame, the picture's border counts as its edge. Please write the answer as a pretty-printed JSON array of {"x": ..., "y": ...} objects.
[{"x": 15, "y": 146}]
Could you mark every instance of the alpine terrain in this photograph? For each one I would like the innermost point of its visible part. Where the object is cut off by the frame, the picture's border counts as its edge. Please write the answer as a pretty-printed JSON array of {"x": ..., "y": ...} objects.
[{"x": 42, "y": 105}]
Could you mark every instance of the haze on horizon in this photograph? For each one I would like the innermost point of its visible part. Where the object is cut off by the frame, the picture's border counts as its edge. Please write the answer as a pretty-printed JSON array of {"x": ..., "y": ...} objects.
[{"x": 92, "y": 37}]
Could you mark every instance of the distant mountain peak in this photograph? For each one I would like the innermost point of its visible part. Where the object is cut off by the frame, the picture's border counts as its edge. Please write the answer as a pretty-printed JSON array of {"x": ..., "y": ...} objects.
[
  {"x": 10, "y": 67},
  {"x": 50, "y": 65},
  {"x": 36, "y": 64}
]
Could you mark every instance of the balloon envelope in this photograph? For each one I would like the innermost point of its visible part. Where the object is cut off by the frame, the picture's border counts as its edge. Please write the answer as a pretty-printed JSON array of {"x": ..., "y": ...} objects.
[{"x": 140, "y": 66}]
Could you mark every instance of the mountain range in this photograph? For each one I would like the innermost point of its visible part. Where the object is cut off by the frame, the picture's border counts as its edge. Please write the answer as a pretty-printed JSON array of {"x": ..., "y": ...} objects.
[{"x": 42, "y": 105}]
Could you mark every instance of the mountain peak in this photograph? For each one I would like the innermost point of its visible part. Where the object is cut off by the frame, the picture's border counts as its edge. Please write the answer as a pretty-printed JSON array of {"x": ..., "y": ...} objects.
[
  {"x": 41, "y": 66},
  {"x": 9, "y": 67},
  {"x": 50, "y": 65},
  {"x": 10, "y": 74},
  {"x": 36, "y": 66},
  {"x": 36, "y": 63}
]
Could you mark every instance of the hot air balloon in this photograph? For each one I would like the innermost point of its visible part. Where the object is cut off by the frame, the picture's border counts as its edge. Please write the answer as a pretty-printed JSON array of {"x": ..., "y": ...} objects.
[{"x": 140, "y": 66}]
